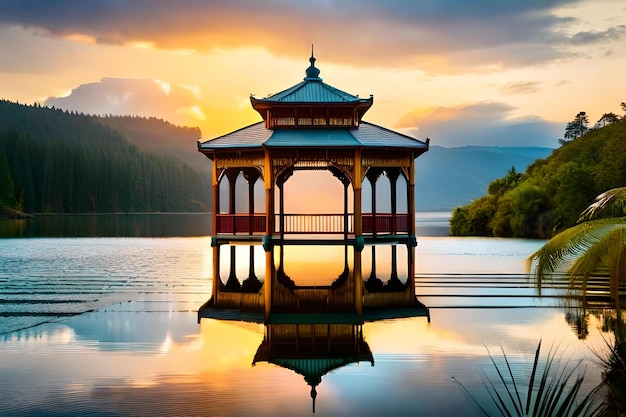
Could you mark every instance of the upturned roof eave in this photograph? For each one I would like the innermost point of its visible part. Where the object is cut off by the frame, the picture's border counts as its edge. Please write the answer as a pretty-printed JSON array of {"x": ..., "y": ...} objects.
[
  {"x": 421, "y": 147},
  {"x": 262, "y": 105},
  {"x": 255, "y": 100},
  {"x": 266, "y": 103}
]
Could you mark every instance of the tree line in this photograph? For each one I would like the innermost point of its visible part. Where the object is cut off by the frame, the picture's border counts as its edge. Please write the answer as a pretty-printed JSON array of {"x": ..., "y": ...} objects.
[
  {"x": 54, "y": 161},
  {"x": 549, "y": 196}
]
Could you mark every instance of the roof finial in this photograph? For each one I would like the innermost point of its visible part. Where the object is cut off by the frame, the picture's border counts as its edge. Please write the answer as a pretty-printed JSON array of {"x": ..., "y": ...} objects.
[
  {"x": 312, "y": 73},
  {"x": 313, "y": 396}
]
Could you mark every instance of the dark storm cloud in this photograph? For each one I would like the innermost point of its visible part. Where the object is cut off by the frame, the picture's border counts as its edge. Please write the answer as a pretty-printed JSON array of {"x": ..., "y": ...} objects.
[{"x": 386, "y": 34}]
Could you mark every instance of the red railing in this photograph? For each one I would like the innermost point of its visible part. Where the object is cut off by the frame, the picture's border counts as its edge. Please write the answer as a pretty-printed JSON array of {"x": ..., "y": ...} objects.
[
  {"x": 316, "y": 223},
  {"x": 381, "y": 223},
  {"x": 385, "y": 223},
  {"x": 240, "y": 223}
]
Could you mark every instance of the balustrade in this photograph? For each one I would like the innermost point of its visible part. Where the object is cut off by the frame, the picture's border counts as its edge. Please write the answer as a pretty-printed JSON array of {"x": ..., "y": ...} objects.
[{"x": 379, "y": 223}]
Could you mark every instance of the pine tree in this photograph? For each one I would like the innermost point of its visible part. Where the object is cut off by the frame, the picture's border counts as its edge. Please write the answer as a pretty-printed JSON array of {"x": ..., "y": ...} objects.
[{"x": 576, "y": 128}]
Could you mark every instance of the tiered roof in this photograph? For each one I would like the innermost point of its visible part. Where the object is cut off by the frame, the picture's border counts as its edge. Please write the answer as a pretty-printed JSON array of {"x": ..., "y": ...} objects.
[{"x": 312, "y": 114}]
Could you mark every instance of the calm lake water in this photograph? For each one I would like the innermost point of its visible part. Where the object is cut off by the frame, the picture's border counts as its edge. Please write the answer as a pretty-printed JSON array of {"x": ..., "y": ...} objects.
[{"x": 107, "y": 326}]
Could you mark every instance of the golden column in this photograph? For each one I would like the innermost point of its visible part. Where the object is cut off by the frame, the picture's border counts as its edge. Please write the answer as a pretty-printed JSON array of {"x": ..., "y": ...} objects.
[
  {"x": 269, "y": 231},
  {"x": 411, "y": 207},
  {"x": 215, "y": 185},
  {"x": 357, "y": 181}
]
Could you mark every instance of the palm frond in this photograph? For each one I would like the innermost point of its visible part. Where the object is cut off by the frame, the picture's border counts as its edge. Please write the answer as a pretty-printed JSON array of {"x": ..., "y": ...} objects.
[
  {"x": 532, "y": 377},
  {"x": 564, "y": 248},
  {"x": 611, "y": 203}
]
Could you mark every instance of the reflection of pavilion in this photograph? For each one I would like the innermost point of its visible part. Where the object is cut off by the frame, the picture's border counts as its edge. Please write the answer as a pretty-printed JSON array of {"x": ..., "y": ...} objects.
[
  {"x": 313, "y": 350},
  {"x": 316, "y": 128}
]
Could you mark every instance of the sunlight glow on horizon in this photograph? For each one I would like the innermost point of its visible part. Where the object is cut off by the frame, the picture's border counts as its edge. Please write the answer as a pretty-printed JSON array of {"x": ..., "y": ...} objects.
[{"x": 418, "y": 91}]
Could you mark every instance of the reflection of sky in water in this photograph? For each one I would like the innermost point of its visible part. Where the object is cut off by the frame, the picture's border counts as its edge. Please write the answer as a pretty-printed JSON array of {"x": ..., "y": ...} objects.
[
  {"x": 51, "y": 276},
  {"x": 242, "y": 261},
  {"x": 473, "y": 255},
  {"x": 314, "y": 265},
  {"x": 141, "y": 351},
  {"x": 383, "y": 261},
  {"x": 130, "y": 363}
]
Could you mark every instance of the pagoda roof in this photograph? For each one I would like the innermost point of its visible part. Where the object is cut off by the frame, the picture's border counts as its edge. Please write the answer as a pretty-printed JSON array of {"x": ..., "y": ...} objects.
[
  {"x": 310, "y": 91},
  {"x": 367, "y": 135}
]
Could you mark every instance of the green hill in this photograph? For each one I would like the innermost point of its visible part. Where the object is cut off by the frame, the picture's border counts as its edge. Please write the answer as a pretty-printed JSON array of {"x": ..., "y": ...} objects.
[
  {"x": 449, "y": 177},
  {"x": 550, "y": 195},
  {"x": 52, "y": 161}
]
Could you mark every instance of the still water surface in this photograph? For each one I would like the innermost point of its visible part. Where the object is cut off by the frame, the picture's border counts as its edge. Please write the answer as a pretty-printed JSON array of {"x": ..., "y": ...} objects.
[{"x": 107, "y": 327}]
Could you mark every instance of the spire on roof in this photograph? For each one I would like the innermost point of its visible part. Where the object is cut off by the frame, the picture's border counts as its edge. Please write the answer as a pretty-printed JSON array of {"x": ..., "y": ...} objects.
[{"x": 312, "y": 73}]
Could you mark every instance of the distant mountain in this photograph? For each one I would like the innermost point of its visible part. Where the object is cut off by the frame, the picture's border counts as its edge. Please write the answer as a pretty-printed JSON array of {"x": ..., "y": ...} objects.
[{"x": 449, "y": 177}]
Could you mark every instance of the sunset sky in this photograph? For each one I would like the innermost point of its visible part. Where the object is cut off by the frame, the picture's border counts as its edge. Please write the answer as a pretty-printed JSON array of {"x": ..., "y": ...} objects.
[{"x": 485, "y": 72}]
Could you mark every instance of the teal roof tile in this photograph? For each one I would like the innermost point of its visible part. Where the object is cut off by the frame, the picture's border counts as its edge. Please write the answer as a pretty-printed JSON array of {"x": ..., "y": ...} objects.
[
  {"x": 312, "y": 138},
  {"x": 252, "y": 136},
  {"x": 374, "y": 136},
  {"x": 312, "y": 91},
  {"x": 367, "y": 135}
]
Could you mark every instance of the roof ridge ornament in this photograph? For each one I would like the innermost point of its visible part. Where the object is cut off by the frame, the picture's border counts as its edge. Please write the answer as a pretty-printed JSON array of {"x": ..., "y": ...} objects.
[{"x": 312, "y": 73}]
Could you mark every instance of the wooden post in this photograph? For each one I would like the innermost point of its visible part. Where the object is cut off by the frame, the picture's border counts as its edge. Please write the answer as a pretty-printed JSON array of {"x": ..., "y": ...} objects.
[
  {"x": 232, "y": 175},
  {"x": 268, "y": 284},
  {"x": 373, "y": 269},
  {"x": 281, "y": 208},
  {"x": 345, "y": 210},
  {"x": 393, "y": 175},
  {"x": 216, "y": 273},
  {"x": 232, "y": 182},
  {"x": 215, "y": 188},
  {"x": 411, "y": 196},
  {"x": 251, "y": 175},
  {"x": 268, "y": 178},
  {"x": 357, "y": 188},
  {"x": 411, "y": 277},
  {"x": 373, "y": 182},
  {"x": 411, "y": 209},
  {"x": 358, "y": 232}
]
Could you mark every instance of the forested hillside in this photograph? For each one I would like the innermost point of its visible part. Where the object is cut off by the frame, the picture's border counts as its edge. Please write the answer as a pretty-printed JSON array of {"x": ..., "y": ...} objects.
[
  {"x": 550, "y": 195},
  {"x": 52, "y": 161},
  {"x": 160, "y": 136}
]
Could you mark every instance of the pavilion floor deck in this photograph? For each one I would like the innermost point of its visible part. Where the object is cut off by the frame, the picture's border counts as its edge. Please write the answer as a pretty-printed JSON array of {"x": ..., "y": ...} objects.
[{"x": 314, "y": 240}]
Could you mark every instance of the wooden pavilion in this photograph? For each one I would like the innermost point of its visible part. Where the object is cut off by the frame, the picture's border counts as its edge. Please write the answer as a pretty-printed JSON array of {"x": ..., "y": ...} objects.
[{"x": 311, "y": 126}]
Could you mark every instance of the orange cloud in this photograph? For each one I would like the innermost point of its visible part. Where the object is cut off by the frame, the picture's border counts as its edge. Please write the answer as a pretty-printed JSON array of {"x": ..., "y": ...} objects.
[{"x": 371, "y": 33}]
